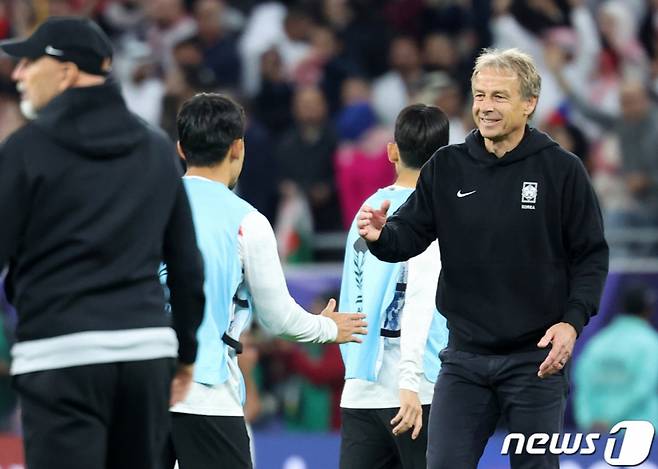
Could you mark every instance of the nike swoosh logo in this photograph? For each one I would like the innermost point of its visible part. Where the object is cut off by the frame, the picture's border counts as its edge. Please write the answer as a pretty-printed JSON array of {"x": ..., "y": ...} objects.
[
  {"x": 50, "y": 50},
  {"x": 461, "y": 194}
]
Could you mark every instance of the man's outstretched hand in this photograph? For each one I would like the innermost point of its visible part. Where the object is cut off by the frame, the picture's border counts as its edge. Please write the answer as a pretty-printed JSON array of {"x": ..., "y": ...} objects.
[
  {"x": 349, "y": 324},
  {"x": 370, "y": 222}
]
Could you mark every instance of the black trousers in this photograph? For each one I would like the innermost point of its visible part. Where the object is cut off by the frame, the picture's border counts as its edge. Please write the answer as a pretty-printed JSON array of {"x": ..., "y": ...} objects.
[
  {"x": 367, "y": 441},
  {"x": 471, "y": 394},
  {"x": 111, "y": 415},
  {"x": 208, "y": 442}
]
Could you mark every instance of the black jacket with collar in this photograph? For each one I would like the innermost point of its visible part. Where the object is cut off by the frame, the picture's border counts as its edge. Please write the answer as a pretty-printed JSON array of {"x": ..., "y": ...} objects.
[
  {"x": 91, "y": 202},
  {"x": 521, "y": 240}
]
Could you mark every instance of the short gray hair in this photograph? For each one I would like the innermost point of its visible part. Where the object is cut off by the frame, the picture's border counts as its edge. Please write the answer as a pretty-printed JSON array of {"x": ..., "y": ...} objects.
[{"x": 515, "y": 61}]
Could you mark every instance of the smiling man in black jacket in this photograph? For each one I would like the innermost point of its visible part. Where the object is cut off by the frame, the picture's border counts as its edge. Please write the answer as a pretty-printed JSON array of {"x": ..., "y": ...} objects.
[
  {"x": 523, "y": 258},
  {"x": 91, "y": 203}
]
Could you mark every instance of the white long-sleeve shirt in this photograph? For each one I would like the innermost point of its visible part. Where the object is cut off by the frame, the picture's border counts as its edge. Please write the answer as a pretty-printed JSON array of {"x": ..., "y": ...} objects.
[
  {"x": 273, "y": 307},
  {"x": 402, "y": 360}
]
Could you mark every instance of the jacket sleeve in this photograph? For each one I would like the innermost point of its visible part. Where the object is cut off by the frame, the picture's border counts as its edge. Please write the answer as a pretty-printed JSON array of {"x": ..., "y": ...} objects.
[
  {"x": 586, "y": 248},
  {"x": 411, "y": 229},
  {"x": 184, "y": 275},
  {"x": 14, "y": 202}
]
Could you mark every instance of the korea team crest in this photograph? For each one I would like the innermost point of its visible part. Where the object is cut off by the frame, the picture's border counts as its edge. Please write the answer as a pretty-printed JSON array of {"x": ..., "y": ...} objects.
[{"x": 529, "y": 195}]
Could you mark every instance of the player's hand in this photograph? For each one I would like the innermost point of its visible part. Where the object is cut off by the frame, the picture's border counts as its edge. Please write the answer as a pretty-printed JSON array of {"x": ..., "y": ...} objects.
[
  {"x": 370, "y": 221},
  {"x": 181, "y": 383},
  {"x": 348, "y": 324},
  {"x": 562, "y": 336},
  {"x": 410, "y": 414}
]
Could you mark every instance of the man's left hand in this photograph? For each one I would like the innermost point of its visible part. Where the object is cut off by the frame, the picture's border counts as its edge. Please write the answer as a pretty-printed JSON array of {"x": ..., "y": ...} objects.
[
  {"x": 563, "y": 337},
  {"x": 410, "y": 414}
]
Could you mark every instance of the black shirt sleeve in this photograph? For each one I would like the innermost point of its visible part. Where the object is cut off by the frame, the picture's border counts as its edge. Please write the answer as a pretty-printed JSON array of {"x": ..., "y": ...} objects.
[
  {"x": 411, "y": 229},
  {"x": 586, "y": 247},
  {"x": 184, "y": 276}
]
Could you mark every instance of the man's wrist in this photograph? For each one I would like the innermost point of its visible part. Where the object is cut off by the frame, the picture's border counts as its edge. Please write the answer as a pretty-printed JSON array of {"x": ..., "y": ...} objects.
[{"x": 576, "y": 317}]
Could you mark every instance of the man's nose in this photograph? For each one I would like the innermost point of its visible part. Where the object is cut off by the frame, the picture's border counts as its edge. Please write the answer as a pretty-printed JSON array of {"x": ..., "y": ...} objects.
[
  {"x": 487, "y": 104},
  {"x": 17, "y": 73}
]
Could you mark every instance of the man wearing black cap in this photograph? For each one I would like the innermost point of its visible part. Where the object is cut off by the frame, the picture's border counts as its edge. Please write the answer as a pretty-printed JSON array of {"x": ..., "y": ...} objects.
[{"x": 92, "y": 202}]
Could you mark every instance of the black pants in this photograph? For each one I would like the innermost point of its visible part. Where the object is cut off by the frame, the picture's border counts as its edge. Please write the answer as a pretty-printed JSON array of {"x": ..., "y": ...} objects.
[
  {"x": 112, "y": 415},
  {"x": 367, "y": 441},
  {"x": 208, "y": 442},
  {"x": 473, "y": 391}
]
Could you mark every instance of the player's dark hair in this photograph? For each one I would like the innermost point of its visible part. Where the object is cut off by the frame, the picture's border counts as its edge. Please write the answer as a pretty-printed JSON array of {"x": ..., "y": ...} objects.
[
  {"x": 420, "y": 130},
  {"x": 207, "y": 125}
]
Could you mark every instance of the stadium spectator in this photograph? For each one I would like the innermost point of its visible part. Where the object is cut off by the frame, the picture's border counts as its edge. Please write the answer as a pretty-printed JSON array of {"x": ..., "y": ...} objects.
[
  {"x": 360, "y": 25},
  {"x": 616, "y": 375},
  {"x": 502, "y": 315},
  {"x": 272, "y": 104},
  {"x": 122, "y": 18},
  {"x": 361, "y": 166},
  {"x": 327, "y": 65},
  {"x": 391, "y": 91},
  {"x": 187, "y": 76},
  {"x": 219, "y": 45},
  {"x": 169, "y": 24},
  {"x": 579, "y": 45},
  {"x": 305, "y": 155},
  {"x": 637, "y": 131},
  {"x": 272, "y": 25},
  {"x": 86, "y": 224},
  {"x": 441, "y": 90},
  {"x": 258, "y": 180}
]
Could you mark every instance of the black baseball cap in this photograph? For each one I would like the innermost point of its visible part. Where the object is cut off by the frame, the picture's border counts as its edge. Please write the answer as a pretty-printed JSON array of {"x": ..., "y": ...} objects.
[{"x": 68, "y": 39}]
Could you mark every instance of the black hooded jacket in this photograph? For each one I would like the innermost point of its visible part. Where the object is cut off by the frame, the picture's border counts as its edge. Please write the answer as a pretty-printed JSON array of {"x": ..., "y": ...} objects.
[
  {"x": 521, "y": 241},
  {"x": 91, "y": 202}
]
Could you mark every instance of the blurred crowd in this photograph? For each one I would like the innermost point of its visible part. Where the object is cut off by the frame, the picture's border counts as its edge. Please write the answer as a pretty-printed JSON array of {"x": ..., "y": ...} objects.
[{"x": 322, "y": 82}]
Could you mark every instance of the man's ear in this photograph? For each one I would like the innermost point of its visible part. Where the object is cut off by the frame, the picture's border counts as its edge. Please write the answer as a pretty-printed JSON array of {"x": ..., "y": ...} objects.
[
  {"x": 179, "y": 150},
  {"x": 237, "y": 148},
  {"x": 530, "y": 106},
  {"x": 71, "y": 73},
  {"x": 393, "y": 152}
]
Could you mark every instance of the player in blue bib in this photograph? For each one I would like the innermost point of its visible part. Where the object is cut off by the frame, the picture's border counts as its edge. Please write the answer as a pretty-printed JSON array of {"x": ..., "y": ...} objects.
[{"x": 389, "y": 378}]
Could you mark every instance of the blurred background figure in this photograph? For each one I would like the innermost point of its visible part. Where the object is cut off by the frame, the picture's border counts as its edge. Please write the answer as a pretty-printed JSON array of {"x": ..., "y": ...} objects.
[
  {"x": 361, "y": 163},
  {"x": 304, "y": 156},
  {"x": 168, "y": 23},
  {"x": 616, "y": 377},
  {"x": 218, "y": 43},
  {"x": 391, "y": 91}
]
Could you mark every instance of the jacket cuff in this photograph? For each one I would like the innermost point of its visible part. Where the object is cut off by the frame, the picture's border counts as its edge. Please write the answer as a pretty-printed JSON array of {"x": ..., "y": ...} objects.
[
  {"x": 577, "y": 317},
  {"x": 187, "y": 354},
  {"x": 373, "y": 246}
]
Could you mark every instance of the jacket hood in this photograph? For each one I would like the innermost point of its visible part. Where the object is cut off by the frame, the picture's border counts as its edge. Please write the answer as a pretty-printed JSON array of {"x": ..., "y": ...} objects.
[
  {"x": 93, "y": 121},
  {"x": 532, "y": 143}
]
